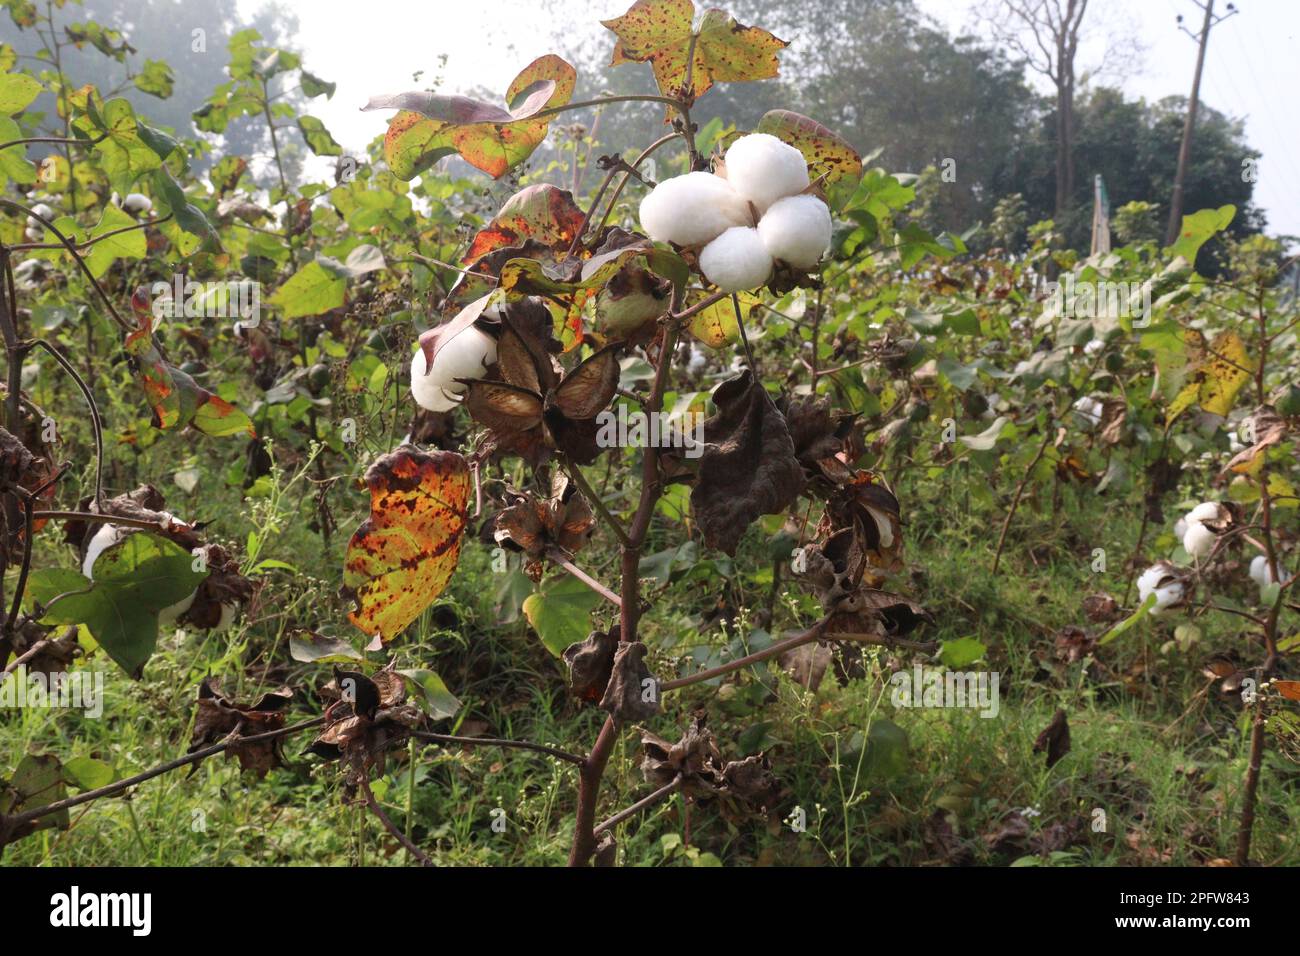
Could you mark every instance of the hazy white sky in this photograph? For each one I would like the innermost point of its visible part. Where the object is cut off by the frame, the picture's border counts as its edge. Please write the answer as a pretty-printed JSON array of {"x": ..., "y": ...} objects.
[{"x": 1252, "y": 68}]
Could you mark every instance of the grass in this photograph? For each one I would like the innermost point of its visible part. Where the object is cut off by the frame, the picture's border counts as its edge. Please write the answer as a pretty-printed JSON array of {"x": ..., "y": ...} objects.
[{"x": 1156, "y": 752}]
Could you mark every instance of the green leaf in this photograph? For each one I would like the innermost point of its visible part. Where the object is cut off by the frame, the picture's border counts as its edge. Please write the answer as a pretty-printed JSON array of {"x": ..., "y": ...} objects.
[
  {"x": 123, "y": 155},
  {"x": 13, "y": 164},
  {"x": 125, "y": 245},
  {"x": 961, "y": 653},
  {"x": 1198, "y": 228},
  {"x": 1129, "y": 621},
  {"x": 437, "y": 701},
  {"x": 313, "y": 648},
  {"x": 17, "y": 90},
  {"x": 86, "y": 773},
  {"x": 188, "y": 216},
  {"x": 313, "y": 289},
  {"x": 318, "y": 137},
  {"x": 313, "y": 85},
  {"x": 560, "y": 613},
  {"x": 134, "y": 581},
  {"x": 37, "y": 781},
  {"x": 156, "y": 79}
]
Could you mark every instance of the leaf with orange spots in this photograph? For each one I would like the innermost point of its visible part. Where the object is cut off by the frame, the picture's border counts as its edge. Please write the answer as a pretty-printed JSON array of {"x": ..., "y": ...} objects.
[
  {"x": 403, "y": 555},
  {"x": 175, "y": 399},
  {"x": 1219, "y": 371},
  {"x": 495, "y": 140},
  {"x": 830, "y": 158},
  {"x": 542, "y": 212},
  {"x": 661, "y": 32}
]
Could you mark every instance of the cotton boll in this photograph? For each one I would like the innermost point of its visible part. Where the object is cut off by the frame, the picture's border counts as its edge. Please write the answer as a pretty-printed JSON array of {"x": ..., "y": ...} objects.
[
  {"x": 1171, "y": 593},
  {"x": 1158, "y": 580},
  {"x": 107, "y": 536},
  {"x": 1093, "y": 347},
  {"x": 137, "y": 204},
  {"x": 1260, "y": 572},
  {"x": 1205, "y": 511},
  {"x": 467, "y": 355},
  {"x": 228, "y": 614},
  {"x": 1090, "y": 409},
  {"x": 796, "y": 230},
  {"x": 693, "y": 209},
  {"x": 763, "y": 169},
  {"x": 736, "y": 260},
  {"x": 41, "y": 209},
  {"x": 1198, "y": 540},
  {"x": 169, "y": 615},
  {"x": 1180, "y": 528}
]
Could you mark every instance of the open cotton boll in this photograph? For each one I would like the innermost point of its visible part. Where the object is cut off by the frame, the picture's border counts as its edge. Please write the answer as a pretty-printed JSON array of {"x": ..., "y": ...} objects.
[
  {"x": 1171, "y": 593},
  {"x": 169, "y": 615},
  {"x": 1260, "y": 572},
  {"x": 693, "y": 209},
  {"x": 736, "y": 260},
  {"x": 763, "y": 169},
  {"x": 1090, "y": 409},
  {"x": 1180, "y": 528},
  {"x": 796, "y": 230},
  {"x": 137, "y": 204},
  {"x": 467, "y": 355},
  {"x": 107, "y": 536},
  {"x": 1198, "y": 540},
  {"x": 41, "y": 209},
  {"x": 1205, "y": 511}
]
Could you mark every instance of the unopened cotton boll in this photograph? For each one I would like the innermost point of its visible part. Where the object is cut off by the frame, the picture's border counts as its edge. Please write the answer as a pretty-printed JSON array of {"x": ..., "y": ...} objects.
[
  {"x": 693, "y": 209},
  {"x": 1198, "y": 540},
  {"x": 466, "y": 355},
  {"x": 796, "y": 230},
  {"x": 763, "y": 169},
  {"x": 736, "y": 260}
]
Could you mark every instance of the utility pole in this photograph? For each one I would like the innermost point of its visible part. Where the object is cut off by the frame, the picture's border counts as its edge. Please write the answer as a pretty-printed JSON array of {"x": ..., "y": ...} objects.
[{"x": 1185, "y": 149}]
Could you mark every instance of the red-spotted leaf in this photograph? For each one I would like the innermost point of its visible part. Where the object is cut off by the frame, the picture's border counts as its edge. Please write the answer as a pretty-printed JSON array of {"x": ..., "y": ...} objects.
[
  {"x": 495, "y": 140},
  {"x": 542, "y": 212},
  {"x": 827, "y": 154},
  {"x": 401, "y": 557},
  {"x": 660, "y": 32},
  {"x": 175, "y": 399}
]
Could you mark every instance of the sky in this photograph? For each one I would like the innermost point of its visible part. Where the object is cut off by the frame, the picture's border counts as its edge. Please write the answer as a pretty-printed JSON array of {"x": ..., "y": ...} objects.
[{"x": 1252, "y": 67}]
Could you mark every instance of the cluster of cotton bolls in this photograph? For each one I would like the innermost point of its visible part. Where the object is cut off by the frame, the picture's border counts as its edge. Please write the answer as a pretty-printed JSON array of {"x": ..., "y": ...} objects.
[
  {"x": 1160, "y": 580},
  {"x": 1089, "y": 409},
  {"x": 465, "y": 355},
  {"x": 1198, "y": 539},
  {"x": 757, "y": 215}
]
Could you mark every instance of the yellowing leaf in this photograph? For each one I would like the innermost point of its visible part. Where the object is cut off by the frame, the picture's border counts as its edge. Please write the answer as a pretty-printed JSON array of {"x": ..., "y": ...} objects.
[
  {"x": 1219, "y": 372},
  {"x": 660, "y": 32},
  {"x": 401, "y": 557}
]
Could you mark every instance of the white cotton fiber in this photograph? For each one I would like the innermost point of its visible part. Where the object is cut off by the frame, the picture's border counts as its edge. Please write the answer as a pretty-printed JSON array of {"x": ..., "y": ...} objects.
[
  {"x": 467, "y": 355},
  {"x": 1205, "y": 511},
  {"x": 1148, "y": 583},
  {"x": 107, "y": 536},
  {"x": 762, "y": 169},
  {"x": 1198, "y": 540},
  {"x": 736, "y": 260},
  {"x": 137, "y": 204},
  {"x": 693, "y": 209},
  {"x": 1260, "y": 572},
  {"x": 796, "y": 230}
]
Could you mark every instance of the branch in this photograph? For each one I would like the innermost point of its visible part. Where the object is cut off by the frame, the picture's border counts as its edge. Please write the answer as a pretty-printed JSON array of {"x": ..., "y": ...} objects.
[
  {"x": 95, "y": 421},
  {"x": 24, "y": 246},
  {"x": 780, "y": 647},
  {"x": 667, "y": 790},
  {"x": 401, "y": 837},
  {"x": 54, "y": 140},
  {"x": 556, "y": 556},
  {"x": 499, "y": 742},
  {"x": 9, "y": 824}
]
